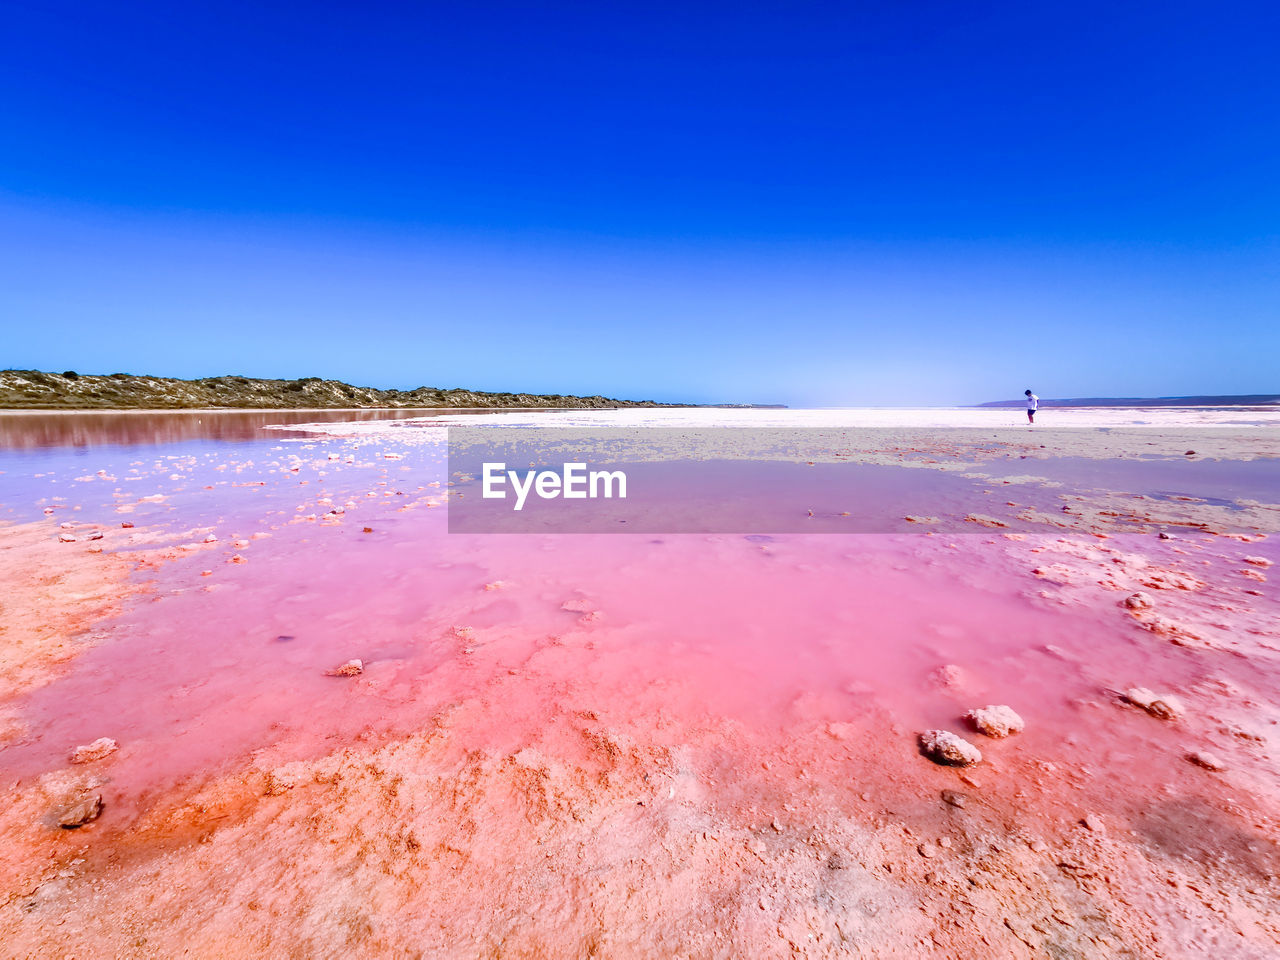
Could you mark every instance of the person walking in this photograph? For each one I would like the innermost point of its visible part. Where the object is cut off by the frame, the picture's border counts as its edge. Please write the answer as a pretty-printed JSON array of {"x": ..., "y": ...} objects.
[{"x": 1032, "y": 403}]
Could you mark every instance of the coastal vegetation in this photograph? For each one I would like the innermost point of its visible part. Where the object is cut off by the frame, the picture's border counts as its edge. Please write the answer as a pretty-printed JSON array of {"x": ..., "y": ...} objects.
[{"x": 36, "y": 390}]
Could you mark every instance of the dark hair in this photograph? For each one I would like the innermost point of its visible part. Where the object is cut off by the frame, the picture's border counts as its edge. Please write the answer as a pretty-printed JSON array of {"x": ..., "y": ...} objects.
[{"x": 1028, "y": 391}]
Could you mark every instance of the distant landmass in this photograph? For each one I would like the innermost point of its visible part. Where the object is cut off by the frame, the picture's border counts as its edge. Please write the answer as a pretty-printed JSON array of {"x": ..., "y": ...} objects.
[
  {"x": 34, "y": 390},
  {"x": 1235, "y": 400}
]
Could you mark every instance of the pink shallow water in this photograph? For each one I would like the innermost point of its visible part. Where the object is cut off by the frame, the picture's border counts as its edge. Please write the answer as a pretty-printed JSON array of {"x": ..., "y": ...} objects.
[{"x": 675, "y": 631}]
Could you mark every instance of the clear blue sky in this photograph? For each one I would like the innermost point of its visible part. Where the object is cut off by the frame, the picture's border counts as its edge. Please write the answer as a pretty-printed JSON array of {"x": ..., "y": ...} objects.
[{"x": 824, "y": 204}]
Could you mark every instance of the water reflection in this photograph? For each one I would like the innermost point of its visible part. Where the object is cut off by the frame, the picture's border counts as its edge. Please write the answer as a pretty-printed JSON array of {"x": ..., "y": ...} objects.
[{"x": 23, "y": 430}]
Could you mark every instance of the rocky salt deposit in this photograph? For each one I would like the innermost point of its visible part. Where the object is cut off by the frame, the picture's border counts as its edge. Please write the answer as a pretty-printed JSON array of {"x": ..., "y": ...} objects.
[
  {"x": 1163, "y": 706},
  {"x": 82, "y": 811},
  {"x": 352, "y": 668},
  {"x": 1139, "y": 601},
  {"x": 101, "y": 748},
  {"x": 1203, "y": 758},
  {"x": 997, "y": 721},
  {"x": 945, "y": 747}
]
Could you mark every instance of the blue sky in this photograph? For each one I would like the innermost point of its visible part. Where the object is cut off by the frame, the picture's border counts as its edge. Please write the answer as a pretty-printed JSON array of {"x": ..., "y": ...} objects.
[{"x": 803, "y": 203}]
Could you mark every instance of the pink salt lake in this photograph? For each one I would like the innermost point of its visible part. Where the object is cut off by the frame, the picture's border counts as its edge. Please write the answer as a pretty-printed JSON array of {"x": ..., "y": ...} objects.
[{"x": 221, "y": 658}]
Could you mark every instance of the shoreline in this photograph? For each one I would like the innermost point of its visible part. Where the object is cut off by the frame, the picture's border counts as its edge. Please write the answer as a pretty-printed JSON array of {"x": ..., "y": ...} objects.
[
  {"x": 79, "y": 410},
  {"x": 640, "y": 405}
]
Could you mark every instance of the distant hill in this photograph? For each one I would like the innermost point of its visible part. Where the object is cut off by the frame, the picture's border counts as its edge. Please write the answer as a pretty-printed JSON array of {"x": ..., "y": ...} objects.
[
  {"x": 34, "y": 390},
  {"x": 1241, "y": 400}
]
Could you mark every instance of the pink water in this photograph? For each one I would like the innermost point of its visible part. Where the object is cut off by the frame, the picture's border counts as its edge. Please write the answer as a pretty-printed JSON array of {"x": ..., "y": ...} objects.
[{"x": 663, "y": 634}]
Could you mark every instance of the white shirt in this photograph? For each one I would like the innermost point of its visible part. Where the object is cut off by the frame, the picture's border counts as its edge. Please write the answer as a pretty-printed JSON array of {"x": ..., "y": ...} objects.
[{"x": 1032, "y": 402}]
